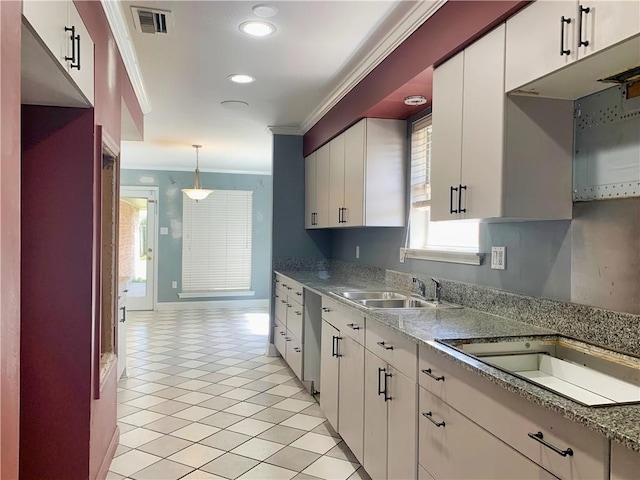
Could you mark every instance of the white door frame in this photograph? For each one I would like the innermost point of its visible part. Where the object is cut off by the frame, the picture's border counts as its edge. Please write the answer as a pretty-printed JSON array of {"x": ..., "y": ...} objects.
[{"x": 142, "y": 191}]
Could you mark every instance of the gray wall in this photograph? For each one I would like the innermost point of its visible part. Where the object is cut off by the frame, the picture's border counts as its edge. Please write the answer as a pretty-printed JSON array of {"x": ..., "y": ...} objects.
[
  {"x": 538, "y": 256},
  {"x": 290, "y": 239},
  {"x": 170, "y": 215}
]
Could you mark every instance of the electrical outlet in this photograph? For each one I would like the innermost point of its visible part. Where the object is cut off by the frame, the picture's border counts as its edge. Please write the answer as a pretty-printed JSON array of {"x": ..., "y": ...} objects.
[
  {"x": 498, "y": 258},
  {"x": 357, "y": 251},
  {"x": 403, "y": 254},
  {"x": 174, "y": 284}
]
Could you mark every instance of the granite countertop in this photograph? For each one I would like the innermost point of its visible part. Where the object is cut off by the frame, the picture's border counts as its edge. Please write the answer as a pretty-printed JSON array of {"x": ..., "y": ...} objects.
[{"x": 619, "y": 423}]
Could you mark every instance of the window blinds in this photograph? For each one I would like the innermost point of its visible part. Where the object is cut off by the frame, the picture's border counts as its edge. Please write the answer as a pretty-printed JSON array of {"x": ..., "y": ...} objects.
[
  {"x": 421, "y": 162},
  {"x": 216, "y": 242}
]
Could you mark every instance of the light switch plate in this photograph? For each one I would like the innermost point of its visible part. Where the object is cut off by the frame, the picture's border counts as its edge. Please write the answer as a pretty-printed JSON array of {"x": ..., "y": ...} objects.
[
  {"x": 174, "y": 284},
  {"x": 164, "y": 230},
  {"x": 498, "y": 258},
  {"x": 357, "y": 251}
]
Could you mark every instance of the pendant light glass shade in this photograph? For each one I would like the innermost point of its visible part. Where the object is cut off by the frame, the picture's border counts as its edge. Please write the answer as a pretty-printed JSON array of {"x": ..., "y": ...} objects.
[{"x": 197, "y": 192}]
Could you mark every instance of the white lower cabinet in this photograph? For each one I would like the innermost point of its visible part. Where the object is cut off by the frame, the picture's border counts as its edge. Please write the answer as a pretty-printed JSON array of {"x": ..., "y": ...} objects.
[
  {"x": 375, "y": 417},
  {"x": 351, "y": 395},
  {"x": 329, "y": 373},
  {"x": 452, "y": 446},
  {"x": 390, "y": 430},
  {"x": 625, "y": 464}
]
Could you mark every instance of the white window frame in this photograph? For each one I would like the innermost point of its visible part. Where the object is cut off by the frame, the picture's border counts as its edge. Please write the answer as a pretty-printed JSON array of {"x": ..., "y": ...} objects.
[
  {"x": 417, "y": 244},
  {"x": 208, "y": 226}
]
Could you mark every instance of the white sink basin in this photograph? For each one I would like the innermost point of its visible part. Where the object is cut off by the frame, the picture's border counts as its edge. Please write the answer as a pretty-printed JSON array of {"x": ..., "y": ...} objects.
[{"x": 585, "y": 373}]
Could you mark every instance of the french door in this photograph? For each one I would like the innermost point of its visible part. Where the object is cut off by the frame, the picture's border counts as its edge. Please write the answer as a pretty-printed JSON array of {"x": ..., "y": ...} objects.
[{"x": 137, "y": 245}]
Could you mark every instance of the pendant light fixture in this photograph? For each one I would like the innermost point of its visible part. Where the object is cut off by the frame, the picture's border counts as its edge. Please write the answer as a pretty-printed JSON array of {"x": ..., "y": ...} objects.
[{"x": 197, "y": 192}]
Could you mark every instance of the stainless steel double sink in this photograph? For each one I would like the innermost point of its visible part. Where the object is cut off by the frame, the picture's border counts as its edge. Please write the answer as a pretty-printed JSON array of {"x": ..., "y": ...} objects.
[{"x": 389, "y": 300}]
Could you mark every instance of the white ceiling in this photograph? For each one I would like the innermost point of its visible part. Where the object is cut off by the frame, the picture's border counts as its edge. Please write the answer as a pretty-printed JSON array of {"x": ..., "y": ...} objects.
[{"x": 316, "y": 46}]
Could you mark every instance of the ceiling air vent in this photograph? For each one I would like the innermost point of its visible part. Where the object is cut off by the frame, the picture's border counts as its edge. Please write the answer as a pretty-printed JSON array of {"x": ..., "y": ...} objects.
[{"x": 148, "y": 20}]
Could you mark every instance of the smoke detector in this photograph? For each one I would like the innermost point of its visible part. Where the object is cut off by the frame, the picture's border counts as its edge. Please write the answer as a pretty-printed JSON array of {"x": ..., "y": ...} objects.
[
  {"x": 415, "y": 100},
  {"x": 152, "y": 20}
]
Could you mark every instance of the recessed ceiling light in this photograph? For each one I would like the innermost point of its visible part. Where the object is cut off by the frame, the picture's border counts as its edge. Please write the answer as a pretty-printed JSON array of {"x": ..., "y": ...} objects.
[
  {"x": 415, "y": 100},
  {"x": 257, "y": 28},
  {"x": 265, "y": 11},
  {"x": 241, "y": 78},
  {"x": 234, "y": 104}
]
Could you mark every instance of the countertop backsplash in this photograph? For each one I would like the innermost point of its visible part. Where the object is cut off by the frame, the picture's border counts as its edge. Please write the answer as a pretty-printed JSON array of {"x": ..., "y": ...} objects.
[{"x": 614, "y": 330}]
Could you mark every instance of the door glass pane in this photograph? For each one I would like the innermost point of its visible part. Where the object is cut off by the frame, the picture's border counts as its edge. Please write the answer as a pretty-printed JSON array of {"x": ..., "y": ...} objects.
[{"x": 133, "y": 251}]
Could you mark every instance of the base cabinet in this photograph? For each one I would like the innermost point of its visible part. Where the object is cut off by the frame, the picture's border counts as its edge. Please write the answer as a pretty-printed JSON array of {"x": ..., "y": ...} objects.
[
  {"x": 329, "y": 373},
  {"x": 351, "y": 395},
  {"x": 390, "y": 431},
  {"x": 625, "y": 464},
  {"x": 452, "y": 446}
]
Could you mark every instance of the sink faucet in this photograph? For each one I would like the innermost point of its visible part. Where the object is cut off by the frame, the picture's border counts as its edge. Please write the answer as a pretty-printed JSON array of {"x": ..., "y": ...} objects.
[
  {"x": 422, "y": 288},
  {"x": 438, "y": 298}
]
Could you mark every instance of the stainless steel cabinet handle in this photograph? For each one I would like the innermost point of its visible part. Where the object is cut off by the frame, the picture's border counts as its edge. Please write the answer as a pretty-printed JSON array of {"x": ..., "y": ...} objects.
[
  {"x": 429, "y": 416},
  {"x": 427, "y": 371},
  {"x": 539, "y": 437}
]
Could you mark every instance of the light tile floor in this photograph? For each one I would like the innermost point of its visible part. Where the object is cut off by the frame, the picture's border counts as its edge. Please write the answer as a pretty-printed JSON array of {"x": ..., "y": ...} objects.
[{"x": 203, "y": 402}]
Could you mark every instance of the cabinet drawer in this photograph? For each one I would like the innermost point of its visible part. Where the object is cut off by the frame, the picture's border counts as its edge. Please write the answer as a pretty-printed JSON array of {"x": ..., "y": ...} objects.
[
  {"x": 512, "y": 418},
  {"x": 333, "y": 312},
  {"x": 392, "y": 347},
  {"x": 294, "y": 319},
  {"x": 452, "y": 446},
  {"x": 294, "y": 353},
  {"x": 350, "y": 322},
  {"x": 279, "y": 333}
]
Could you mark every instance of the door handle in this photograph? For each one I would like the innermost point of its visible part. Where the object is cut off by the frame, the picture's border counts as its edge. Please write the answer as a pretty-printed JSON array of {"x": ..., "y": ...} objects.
[
  {"x": 451, "y": 190},
  {"x": 563, "y": 51},
  {"x": 460, "y": 209},
  {"x": 124, "y": 314},
  {"x": 585, "y": 11},
  {"x": 380, "y": 390}
]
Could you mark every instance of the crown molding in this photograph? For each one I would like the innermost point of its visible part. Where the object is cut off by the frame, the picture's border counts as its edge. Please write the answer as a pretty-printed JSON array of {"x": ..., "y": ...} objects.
[
  {"x": 398, "y": 34},
  {"x": 118, "y": 23},
  {"x": 276, "y": 130},
  {"x": 182, "y": 168}
]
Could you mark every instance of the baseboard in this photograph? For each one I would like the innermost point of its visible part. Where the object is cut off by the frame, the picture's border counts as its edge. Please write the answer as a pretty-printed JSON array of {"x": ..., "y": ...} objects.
[
  {"x": 213, "y": 304},
  {"x": 108, "y": 458}
]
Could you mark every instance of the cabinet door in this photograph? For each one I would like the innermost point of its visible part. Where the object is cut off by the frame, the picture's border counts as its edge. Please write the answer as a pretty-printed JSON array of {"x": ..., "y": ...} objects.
[
  {"x": 48, "y": 20},
  {"x": 452, "y": 446},
  {"x": 82, "y": 72},
  {"x": 403, "y": 426},
  {"x": 483, "y": 127},
  {"x": 336, "y": 181},
  {"x": 323, "y": 160},
  {"x": 351, "y": 398},
  {"x": 625, "y": 464},
  {"x": 294, "y": 353},
  {"x": 533, "y": 41},
  {"x": 446, "y": 143},
  {"x": 310, "y": 191},
  {"x": 375, "y": 418},
  {"x": 607, "y": 23},
  {"x": 329, "y": 373},
  {"x": 279, "y": 334},
  {"x": 354, "y": 177}
]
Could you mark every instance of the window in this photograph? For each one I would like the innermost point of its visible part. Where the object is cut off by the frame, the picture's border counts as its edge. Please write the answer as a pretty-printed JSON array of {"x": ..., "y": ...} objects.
[
  {"x": 216, "y": 244},
  {"x": 424, "y": 235}
]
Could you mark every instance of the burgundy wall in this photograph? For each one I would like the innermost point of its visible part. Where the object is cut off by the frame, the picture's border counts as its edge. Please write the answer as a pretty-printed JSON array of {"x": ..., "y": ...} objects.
[
  {"x": 10, "y": 34},
  {"x": 111, "y": 79},
  {"x": 455, "y": 25},
  {"x": 57, "y": 267}
]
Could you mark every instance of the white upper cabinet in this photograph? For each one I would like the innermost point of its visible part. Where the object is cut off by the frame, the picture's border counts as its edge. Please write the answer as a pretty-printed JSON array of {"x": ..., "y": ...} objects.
[
  {"x": 322, "y": 186},
  {"x": 495, "y": 156},
  {"x": 606, "y": 23},
  {"x": 310, "y": 191},
  {"x": 447, "y": 128},
  {"x": 540, "y": 39},
  {"x": 336, "y": 180},
  {"x": 55, "y": 30},
  {"x": 561, "y": 49},
  {"x": 364, "y": 169}
]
